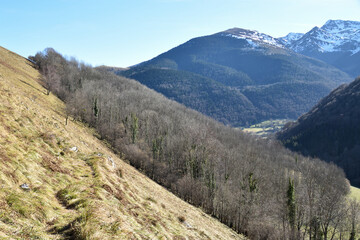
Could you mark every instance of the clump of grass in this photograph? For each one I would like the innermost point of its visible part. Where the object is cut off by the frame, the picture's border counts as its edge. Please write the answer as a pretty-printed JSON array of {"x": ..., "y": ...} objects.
[
  {"x": 66, "y": 195},
  {"x": 93, "y": 163},
  {"x": 119, "y": 172},
  {"x": 115, "y": 227},
  {"x": 151, "y": 199},
  {"x": 29, "y": 232},
  {"x": 179, "y": 237},
  {"x": 49, "y": 138},
  {"x": 181, "y": 219},
  {"x": 16, "y": 202},
  {"x": 28, "y": 205},
  {"x": 153, "y": 222},
  {"x": 82, "y": 227},
  {"x": 70, "y": 198},
  {"x": 5, "y": 218}
]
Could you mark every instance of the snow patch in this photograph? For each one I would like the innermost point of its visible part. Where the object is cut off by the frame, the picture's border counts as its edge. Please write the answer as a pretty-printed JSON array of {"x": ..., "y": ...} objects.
[
  {"x": 251, "y": 43},
  {"x": 253, "y": 37},
  {"x": 291, "y": 37}
]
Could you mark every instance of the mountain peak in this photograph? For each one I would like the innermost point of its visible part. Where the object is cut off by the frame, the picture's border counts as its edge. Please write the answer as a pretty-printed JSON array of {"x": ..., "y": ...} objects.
[
  {"x": 333, "y": 22},
  {"x": 290, "y": 38},
  {"x": 340, "y": 26},
  {"x": 341, "y": 23},
  {"x": 333, "y": 36}
]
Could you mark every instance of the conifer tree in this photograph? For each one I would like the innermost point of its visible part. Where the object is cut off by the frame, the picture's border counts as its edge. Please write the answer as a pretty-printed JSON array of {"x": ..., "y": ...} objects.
[
  {"x": 291, "y": 205},
  {"x": 134, "y": 127}
]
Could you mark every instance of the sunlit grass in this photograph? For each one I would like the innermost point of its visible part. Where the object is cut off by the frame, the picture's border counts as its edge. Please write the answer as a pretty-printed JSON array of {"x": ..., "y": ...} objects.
[
  {"x": 355, "y": 193},
  {"x": 75, "y": 193},
  {"x": 267, "y": 127}
]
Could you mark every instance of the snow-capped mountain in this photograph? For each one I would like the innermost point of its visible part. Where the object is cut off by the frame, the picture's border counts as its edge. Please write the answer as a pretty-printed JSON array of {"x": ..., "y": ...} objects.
[
  {"x": 334, "y": 36},
  {"x": 337, "y": 42},
  {"x": 254, "y": 38}
]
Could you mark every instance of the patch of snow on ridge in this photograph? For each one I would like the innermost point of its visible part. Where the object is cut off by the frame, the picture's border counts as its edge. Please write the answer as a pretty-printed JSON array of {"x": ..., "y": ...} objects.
[
  {"x": 327, "y": 47},
  {"x": 249, "y": 41},
  {"x": 290, "y": 38},
  {"x": 253, "y": 37},
  {"x": 254, "y": 45},
  {"x": 356, "y": 50}
]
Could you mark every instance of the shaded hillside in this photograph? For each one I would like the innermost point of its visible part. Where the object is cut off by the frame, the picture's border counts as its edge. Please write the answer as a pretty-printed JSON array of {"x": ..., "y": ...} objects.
[
  {"x": 200, "y": 93},
  {"x": 79, "y": 189},
  {"x": 261, "y": 70},
  {"x": 331, "y": 130}
]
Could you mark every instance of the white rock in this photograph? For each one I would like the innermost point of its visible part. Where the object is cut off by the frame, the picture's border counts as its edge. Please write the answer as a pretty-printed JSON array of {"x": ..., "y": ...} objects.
[
  {"x": 74, "y": 149},
  {"x": 25, "y": 187},
  {"x": 111, "y": 161}
]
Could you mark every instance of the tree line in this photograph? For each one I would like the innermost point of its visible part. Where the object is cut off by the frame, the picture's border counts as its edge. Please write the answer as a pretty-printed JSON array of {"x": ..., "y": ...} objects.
[{"x": 255, "y": 186}]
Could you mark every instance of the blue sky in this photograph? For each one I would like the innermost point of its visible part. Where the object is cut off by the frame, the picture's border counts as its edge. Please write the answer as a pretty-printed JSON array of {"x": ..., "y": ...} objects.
[{"x": 125, "y": 32}]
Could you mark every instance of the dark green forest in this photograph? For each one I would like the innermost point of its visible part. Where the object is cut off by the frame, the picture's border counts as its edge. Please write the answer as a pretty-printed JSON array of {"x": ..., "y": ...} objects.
[{"x": 257, "y": 187}]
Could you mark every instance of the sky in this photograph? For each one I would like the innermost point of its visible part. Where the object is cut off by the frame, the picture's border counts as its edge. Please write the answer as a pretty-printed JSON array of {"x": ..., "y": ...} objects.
[{"x": 126, "y": 32}]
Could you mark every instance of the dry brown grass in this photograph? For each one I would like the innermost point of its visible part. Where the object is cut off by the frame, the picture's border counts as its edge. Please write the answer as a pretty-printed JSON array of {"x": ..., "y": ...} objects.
[{"x": 76, "y": 194}]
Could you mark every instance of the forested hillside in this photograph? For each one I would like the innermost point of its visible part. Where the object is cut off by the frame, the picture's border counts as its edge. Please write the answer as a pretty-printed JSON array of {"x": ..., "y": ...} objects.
[
  {"x": 256, "y": 187},
  {"x": 200, "y": 93},
  {"x": 238, "y": 77},
  {"x": 331, "y": 131}
]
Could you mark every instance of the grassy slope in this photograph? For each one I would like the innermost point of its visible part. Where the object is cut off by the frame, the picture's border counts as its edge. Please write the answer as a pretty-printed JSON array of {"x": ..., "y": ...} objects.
[
  {"x": 355, "y": 193},
  {"x": 76, "y": 194}
]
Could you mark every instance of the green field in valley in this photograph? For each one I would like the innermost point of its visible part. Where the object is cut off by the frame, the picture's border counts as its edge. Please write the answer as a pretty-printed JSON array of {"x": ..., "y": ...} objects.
[{"x": 266, "y": 128}]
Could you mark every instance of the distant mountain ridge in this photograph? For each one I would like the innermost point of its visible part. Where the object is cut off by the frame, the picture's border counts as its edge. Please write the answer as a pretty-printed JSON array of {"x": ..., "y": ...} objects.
[
  {"x": 239, "y": 77},
  {"x": 333, "y": 36},
  {"x": 337, "y": 42}
]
